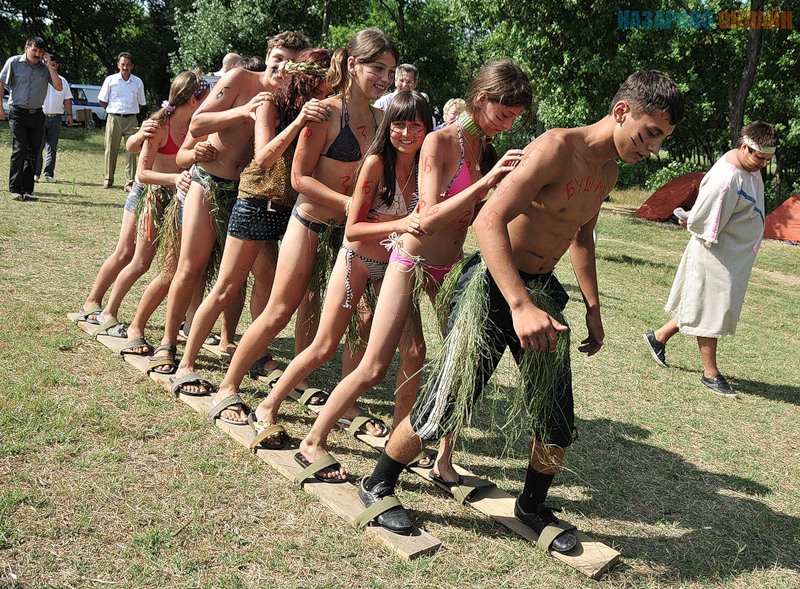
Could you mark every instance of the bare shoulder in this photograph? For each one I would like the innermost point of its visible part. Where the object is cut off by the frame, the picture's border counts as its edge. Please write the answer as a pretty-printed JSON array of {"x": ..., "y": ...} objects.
[
  {"x": 373, "y": 163},
  {"x": 442, "y": 139},
  {"x": 377, "y": 113}
]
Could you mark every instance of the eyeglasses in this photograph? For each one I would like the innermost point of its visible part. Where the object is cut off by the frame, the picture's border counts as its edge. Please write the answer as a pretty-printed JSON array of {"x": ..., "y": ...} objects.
[{"x": 412, "y": 128}]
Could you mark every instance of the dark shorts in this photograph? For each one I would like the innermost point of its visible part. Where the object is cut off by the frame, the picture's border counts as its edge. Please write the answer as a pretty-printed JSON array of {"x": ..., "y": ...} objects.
[
  {"x": 137, "y": 190},
  {"x": 560, "y": 417},
  {"x": 226, "y": 190},
  {"x": 252, "y": 220}
]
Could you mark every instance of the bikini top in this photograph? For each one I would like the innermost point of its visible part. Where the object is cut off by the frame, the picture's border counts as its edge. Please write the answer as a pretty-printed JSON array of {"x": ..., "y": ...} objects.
[
  {"x": 397, "y": 208},
  {"x": 462, "y": 180},
  {"x": 345, "y": 148},
  {"x": 170, "y": 147}
]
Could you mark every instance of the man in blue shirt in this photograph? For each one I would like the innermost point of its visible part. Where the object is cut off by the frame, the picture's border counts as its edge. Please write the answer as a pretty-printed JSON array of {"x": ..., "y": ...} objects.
[{"x": 27, "y": 76}]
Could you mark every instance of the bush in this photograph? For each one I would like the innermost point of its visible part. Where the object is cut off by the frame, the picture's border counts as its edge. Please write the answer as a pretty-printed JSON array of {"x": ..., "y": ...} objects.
[{"x": 671, "y": 170}]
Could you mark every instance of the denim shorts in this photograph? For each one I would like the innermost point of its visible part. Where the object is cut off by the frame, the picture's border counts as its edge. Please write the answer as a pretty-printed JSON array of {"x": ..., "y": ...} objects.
[
  {"x": 252, "y": 220},
  {"x": 137, "y": 190}
]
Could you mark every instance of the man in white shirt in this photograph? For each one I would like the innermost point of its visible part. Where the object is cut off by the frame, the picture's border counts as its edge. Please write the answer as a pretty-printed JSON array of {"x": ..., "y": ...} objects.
[
  {"x": 121, "y": 95},
  {"x": 54, "y": 104},
  {"x": 406, "y": 77}
]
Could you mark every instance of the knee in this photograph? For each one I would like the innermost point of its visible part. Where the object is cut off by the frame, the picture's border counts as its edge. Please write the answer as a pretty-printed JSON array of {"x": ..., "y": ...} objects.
[{"x": 374, "y": 375}]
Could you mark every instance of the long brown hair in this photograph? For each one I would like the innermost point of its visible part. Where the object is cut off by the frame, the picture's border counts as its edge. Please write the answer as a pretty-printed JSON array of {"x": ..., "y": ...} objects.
[
  {"x": 506, "y": 84},
  {"x": 366, "y": 46}
]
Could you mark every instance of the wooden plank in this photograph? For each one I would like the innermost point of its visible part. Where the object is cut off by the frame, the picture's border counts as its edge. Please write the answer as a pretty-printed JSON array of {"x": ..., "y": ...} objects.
[
  {"x": 342, "y": 499},
  {"x": 590, "y": 557}
]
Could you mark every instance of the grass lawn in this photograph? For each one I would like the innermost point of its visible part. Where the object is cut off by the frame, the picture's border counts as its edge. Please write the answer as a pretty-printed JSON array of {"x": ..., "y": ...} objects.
[{"x": 106, "y": 481}]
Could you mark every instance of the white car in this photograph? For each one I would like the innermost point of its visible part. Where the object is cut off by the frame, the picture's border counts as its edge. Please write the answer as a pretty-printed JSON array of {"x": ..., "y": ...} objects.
[{"x": 84, "y": 98}]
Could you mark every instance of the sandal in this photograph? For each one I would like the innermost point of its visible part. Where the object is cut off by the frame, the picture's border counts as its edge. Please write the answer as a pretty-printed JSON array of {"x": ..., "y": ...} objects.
[
  {"x": 314, "y": 469},
  {"x": 166, "y": 361},
  {"x": 358, "y": 425},
  {"x": 264, "y": 431},
  {"x": 233, "y": 402},
  {"x": 135, "y": 343},
  {"x": 180, "y": 384}
]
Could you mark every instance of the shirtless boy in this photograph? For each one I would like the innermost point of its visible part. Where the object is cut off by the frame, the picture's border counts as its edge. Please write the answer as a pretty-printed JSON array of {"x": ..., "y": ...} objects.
[
  {"x": 223, "y": 120},
  {"x": 549, "y": 204}
]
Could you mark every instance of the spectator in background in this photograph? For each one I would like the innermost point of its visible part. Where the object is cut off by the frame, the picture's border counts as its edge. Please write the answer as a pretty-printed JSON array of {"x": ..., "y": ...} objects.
[
  {"x": 230, "y": 61},
  {"x": 406, "y": 77},
  {"x": 452, "y": 108},
  {"x": 54, "y": 105},
  {"x": 27, "y": 76},
  {"x": 121, "y": 95},
  {"x": 726, "y": 225}
]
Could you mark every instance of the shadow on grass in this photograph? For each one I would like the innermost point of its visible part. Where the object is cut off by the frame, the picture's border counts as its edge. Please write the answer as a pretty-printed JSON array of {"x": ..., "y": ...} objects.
[
  {"x": 633, "y": 261},
  {"x": 774, "y": 392},
  {"x": 715, "y": 526}
]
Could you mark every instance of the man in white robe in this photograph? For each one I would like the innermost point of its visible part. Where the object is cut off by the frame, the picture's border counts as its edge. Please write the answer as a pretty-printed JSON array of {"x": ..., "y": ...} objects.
[{"x": 726, "y": 225}]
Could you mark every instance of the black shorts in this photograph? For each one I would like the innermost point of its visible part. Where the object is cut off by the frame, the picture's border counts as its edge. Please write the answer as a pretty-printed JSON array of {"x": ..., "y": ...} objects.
[
  {"x": 429, "y": 413},
  {"x": 252, "y": 220}
]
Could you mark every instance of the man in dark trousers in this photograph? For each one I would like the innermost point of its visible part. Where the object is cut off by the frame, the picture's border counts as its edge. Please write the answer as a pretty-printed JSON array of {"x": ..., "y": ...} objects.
[{"x": 27, "y": 76}]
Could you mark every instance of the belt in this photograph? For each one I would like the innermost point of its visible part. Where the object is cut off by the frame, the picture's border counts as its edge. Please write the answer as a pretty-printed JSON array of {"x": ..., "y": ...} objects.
[
  {"x": 53, "y": 115},
  {"x": 121, "y": 115},
  {"x": 30, "y": 111}
]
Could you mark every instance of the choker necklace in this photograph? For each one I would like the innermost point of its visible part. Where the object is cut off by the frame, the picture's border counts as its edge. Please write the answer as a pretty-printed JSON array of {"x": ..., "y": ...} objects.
[{"x": 470, "y": 126}]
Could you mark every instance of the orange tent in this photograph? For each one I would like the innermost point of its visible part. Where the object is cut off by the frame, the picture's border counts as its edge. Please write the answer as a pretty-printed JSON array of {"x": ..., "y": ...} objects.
[
  {"x": 678, "y": 192},
  {"x": 784, "y": 222}
]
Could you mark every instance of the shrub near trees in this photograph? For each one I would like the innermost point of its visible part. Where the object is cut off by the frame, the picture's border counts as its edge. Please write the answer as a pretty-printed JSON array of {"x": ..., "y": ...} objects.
[{"x": 574, "y": 51}]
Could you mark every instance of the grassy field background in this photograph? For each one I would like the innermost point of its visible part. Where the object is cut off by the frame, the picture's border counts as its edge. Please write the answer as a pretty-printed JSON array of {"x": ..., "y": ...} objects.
[{"x": 106, "y": 481}]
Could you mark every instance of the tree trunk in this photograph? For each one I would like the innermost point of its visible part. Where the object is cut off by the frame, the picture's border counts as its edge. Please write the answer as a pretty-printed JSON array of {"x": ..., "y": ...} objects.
[
  {"x": 326, "y": 17},
  {"x": 738, "y": 93}
]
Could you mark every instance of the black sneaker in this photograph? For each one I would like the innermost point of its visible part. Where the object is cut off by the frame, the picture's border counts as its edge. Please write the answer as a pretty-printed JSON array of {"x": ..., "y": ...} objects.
[
  {"x": 719, "y": 385},
  {"x": 395, "y": 519},
  {"x": 657, "y": 349},
  {"x": 539, "y": 520}
]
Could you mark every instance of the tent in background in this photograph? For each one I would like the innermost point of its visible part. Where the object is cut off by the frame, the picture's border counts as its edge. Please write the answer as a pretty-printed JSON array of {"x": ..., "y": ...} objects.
[
  {"x": 678, "y": 192},
  {"x": 784, "y": 222}
]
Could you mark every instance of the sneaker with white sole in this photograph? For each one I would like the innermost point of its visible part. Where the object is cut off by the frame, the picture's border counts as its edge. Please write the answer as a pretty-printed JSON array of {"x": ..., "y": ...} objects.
[
  {"x": 657, "y": 349},
  {"x": 49, "y": 179}
]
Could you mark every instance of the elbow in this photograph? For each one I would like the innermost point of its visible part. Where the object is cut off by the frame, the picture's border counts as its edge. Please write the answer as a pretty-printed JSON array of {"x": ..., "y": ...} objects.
[
  {"x": 195, "y": 129},
  {"x": 297, "y": 182}
]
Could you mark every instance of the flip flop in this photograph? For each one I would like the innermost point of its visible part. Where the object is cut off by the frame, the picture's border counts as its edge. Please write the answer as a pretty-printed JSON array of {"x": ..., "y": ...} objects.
[
  {"x": 358, "y": 425},
  {"x": 211, "y": 340},
  {"x": 138, "y": 342},
  {"x": 265, "y": 430},
  {"x": 180, "y": 383},
  {"x": 228, "y": 402},
  {"x": 313, "y": 469},
  {"x": 84, "y": 316}
]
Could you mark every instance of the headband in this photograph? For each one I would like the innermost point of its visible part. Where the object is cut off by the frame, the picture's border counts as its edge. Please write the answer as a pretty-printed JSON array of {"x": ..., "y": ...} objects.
[
  {"x": 202, "y": 87},
  {"x": 302, "y": 67},
  {"x": 753, "y": 145}
]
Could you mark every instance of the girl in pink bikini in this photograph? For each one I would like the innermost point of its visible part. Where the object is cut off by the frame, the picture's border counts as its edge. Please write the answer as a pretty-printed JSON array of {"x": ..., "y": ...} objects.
[{"x": 452, "y": 165}]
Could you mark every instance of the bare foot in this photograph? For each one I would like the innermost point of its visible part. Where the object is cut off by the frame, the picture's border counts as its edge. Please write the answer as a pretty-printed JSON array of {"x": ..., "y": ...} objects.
[
  {"x": 313, "y": 453},
  {"x": 235, "y": 413}
]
